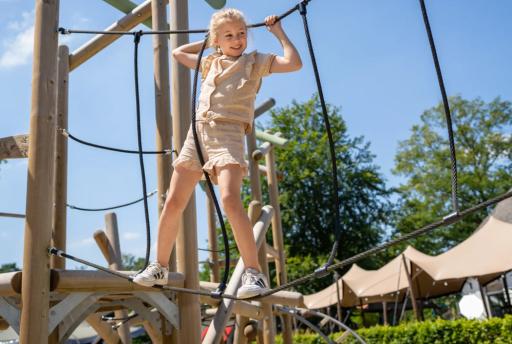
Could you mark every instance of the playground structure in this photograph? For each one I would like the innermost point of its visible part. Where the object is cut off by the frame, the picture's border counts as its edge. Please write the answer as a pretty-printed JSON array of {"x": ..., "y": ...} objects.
[{"x": 55, "y": 300}]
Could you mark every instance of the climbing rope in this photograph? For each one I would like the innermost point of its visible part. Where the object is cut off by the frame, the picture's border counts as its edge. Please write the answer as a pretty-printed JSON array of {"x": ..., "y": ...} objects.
[
  {"x": 453, "y": 158},
  {"x": 445, "y": 221},
  {"x": 120, "y": 150},
  {"x": 112, "y": 207},
  {"x": 211, "y": 191},
  {"x": 334, "y": 169}
]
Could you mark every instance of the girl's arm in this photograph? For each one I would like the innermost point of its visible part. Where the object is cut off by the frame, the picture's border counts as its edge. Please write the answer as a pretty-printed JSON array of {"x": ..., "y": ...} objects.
[
  {"x": 291, "y": 61},
  {"x": 187, "y": 54}
]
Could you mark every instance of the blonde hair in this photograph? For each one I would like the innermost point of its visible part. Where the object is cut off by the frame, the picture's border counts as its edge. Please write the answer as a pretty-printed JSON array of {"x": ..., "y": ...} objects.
[{"x": 221, "y": 17}]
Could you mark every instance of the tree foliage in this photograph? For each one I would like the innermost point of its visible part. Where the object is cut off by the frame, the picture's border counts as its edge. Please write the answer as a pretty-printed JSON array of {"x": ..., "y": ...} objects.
[
  {"x": 9, "y": 267},
  {"x": 306, "y": 187},
  {"x": 484, "y": 155}
]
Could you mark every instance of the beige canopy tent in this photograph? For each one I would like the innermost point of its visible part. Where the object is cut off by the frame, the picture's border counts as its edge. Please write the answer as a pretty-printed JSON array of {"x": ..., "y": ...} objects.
[{"x": 485, "y": 255}]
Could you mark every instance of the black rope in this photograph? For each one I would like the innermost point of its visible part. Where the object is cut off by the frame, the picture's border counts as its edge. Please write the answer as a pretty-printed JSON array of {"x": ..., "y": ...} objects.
[
  {"x": 65, "y": 31},
  {"x": 335, "y": 197},
  {"x": 225, "y": 277},
  {"x": 448, "y": 220},
  {"x": 136, "y": 42},
  {"x": 121, "y": 150},
  {"x": 453, "y": 158},
  {"x": 445, "y": 221},
  {"x": 113, "y": 207}
]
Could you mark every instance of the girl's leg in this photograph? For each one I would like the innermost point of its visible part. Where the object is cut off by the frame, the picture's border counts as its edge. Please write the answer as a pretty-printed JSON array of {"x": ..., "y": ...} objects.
[
  {"x": 183, "y": 182},
  {"x": 230, "y": 182}
]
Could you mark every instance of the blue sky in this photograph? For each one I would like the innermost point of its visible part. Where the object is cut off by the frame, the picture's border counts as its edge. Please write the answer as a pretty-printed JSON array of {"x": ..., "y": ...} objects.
[{"x": 374, "y": 62}]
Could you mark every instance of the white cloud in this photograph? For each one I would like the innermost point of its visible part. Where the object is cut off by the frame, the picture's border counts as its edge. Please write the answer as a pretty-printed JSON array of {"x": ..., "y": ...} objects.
[
  {"x": 18, "y": 49},
  {"x": 130, "y": 236}
]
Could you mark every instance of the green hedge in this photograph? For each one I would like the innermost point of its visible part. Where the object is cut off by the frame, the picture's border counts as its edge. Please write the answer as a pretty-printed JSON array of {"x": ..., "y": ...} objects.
[{"x": 493, "y": 331}]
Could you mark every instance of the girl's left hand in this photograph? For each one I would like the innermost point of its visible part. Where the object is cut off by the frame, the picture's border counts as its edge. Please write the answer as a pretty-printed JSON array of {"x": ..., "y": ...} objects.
[{"x": 273, "y": 25}]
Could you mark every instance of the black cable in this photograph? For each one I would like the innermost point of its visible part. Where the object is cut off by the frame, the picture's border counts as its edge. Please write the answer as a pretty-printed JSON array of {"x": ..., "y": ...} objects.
[
  {"x": 445, "y": 221},
  {"x": 113, "y": 207},
  {"x": 335, "y": 197},
  {"x": 65, "y": 31},
  {"x": 225, "y": 277},
  {"x": 121, "y": 150},
  {"x": 448, "y": 220},
  {"x": 446, "y": 105},
  {"x": 136, "y": 41}
]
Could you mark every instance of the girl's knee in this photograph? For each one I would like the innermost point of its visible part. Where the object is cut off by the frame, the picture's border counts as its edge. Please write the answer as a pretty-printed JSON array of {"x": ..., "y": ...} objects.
[
  {"x": 174, "y": 205},
  {"x": 231, "y": 201}
]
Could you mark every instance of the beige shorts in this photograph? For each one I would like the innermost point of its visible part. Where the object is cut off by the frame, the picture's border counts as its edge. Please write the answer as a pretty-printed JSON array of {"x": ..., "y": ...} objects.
[{"x": 222, "y": 143}]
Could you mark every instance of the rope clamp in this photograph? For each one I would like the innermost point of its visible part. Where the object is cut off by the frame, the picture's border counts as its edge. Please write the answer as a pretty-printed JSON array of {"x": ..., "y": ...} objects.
[
  {"x": 302, "y": 7},
  {"x": 54, "y": 251},
  {"x": 217, "y": 293},
  {"x": 63, "y": 132},
  {"x": 137, "y": 35},
  {"x": 451, "y": 218},
  {"x": 63, "y": 31},
  {"x": 322, "y": 271}
]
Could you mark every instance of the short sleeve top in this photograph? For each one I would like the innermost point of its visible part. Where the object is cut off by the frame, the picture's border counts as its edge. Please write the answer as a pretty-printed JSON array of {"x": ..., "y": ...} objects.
[{"x": 230, "y": 85}]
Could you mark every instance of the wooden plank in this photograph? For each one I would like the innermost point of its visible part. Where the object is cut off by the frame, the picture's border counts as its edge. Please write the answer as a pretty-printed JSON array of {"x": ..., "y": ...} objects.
[
  {"x": 94, "y": 280},
  {"x": 10, "y": 313},
  {"x": 14, "y": 147}
]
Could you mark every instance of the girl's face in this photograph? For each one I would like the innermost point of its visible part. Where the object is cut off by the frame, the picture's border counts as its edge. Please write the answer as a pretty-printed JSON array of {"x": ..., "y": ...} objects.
[{"x": 232, "y": 38}]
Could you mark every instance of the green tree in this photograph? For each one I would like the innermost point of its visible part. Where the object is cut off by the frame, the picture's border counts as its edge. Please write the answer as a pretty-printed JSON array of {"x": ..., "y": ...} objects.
[
  {"x": 132, "y": 263},
  {"x": 306, "y": 186},
  {"x": 484, "y": 155},
  {"x": 9, "y": 267}
]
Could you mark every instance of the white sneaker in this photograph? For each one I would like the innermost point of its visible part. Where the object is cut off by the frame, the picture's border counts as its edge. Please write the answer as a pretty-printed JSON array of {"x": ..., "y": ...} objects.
[
  {"x": 153, "y": 274},
  {"x": 254, "y": 283}
]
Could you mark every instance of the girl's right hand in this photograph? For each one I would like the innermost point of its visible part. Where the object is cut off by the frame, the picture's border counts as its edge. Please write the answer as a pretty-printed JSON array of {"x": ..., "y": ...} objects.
[{"x": 273, "y": 24}]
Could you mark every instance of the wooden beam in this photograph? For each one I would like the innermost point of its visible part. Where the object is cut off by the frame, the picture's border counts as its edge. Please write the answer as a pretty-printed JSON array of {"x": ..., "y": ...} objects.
[
  {"x": 104, "y": 330},
  {"x": 277, "y": 235},
  {"x": 38, "y": 223},
  {"x": 94, "y": 280},
  {"x": 61, "y": 161},
  {"x": 285, "y": 298},
  {"x": 264, "y": 107},
  {"x": 126, "y": 6},
  {"x": 10, "y": 283},
  {"x": 186, "y": 243},
  {"x": 274, "y": 139},
  {"x": 216, "y": 328},
  {"x": 99, "y": 42},
  {"x": 14, "y": 147}
]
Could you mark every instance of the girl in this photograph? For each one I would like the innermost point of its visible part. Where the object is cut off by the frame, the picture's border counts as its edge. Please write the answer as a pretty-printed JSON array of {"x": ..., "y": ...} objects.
[{"x": 230, "y": 81}]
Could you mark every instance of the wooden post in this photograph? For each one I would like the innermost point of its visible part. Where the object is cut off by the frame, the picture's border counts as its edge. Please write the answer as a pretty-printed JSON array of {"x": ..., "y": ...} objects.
[
  {"x": 112, "y": 231},
  {"x": 212, "y": 241},
  {"x": 411, "y": 288},
  {"x": 163, "y": 119},
  {"x": 254, "y": 173},
  {"x": 186, "y": 243},
  {"x": 277, "y": 235},
  {"x": 61, "y": 161},
  {"x": 268, "y": 320},
  {"x": 385, "y": 313},
  {"x": 38, "y": 222}
]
